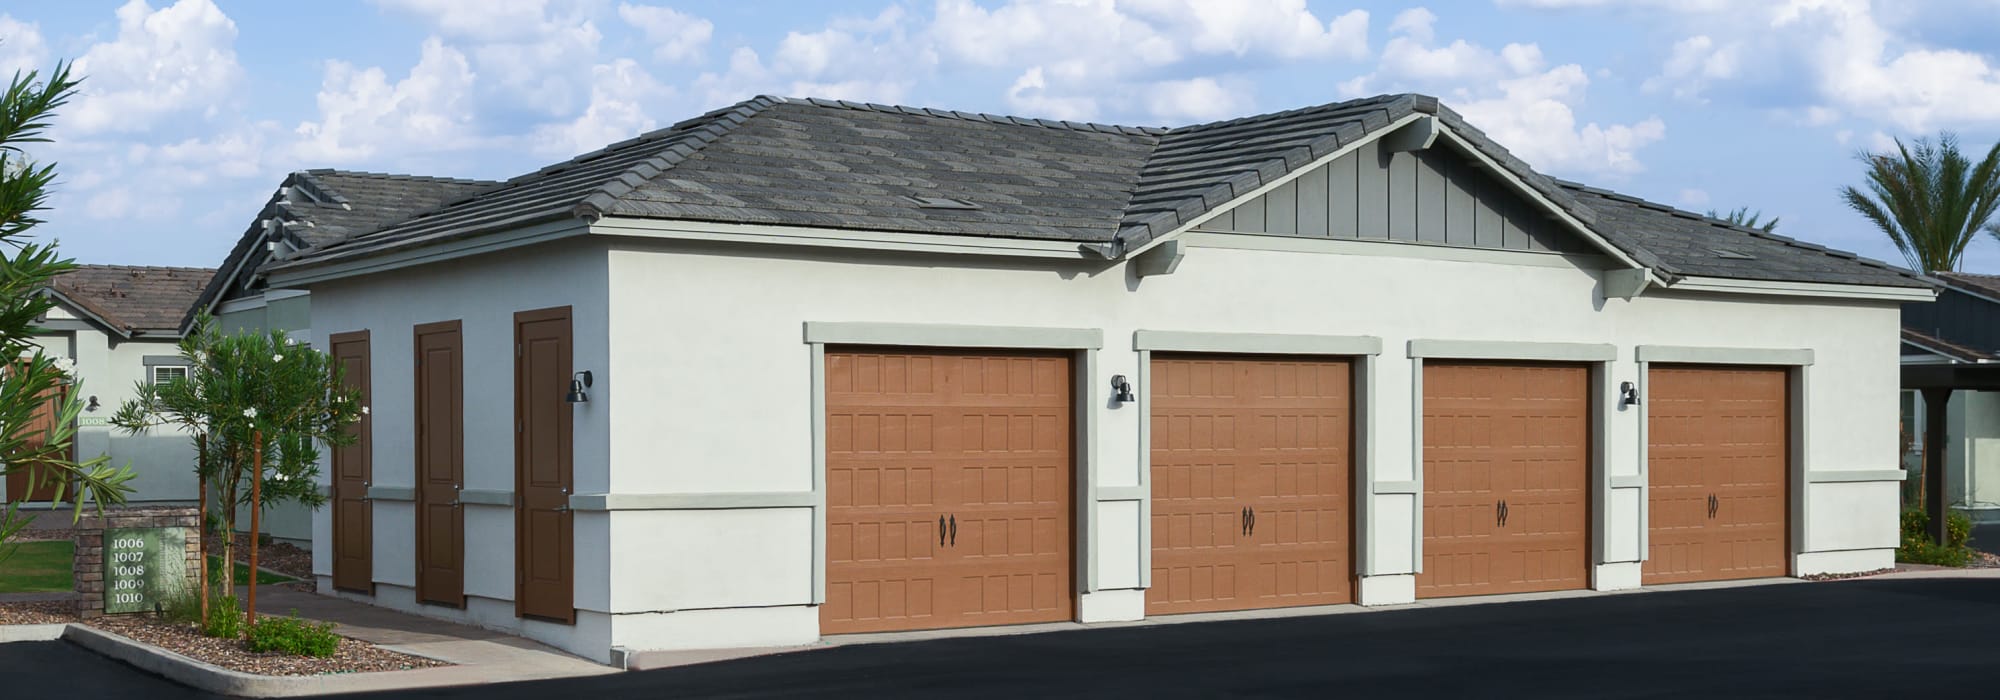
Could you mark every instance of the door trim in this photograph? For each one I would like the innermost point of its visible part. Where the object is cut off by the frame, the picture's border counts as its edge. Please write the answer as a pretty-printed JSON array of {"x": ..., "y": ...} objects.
[
  {"x": 1797, "y": 383},
  {"x": 1362, "y": 350},
  {"x": 1511, "y": 351},
  {"x": 1083, "y": 342},
  {"x": 1597, "y": 389},
  {"x": 365, "y": 445}
]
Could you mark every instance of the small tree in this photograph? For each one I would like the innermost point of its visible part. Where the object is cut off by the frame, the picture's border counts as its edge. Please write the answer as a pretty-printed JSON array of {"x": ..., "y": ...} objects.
[
  {"x": 258, "y": 406},
  {"x": 30, "y": 379}
]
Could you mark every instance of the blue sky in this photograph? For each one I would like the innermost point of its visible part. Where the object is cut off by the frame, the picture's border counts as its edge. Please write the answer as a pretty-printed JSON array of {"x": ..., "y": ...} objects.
[{"x": 195, "y": 110}]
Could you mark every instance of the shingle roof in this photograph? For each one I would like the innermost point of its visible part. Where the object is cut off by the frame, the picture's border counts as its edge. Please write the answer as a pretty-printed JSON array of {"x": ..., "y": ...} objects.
[
  {"x": 1689, "y": 244},
  {"x": 1944, "y": 347},
  {"x": 845, "y": 165},
  {"x": 1986, "y": 285},
  {"x": 324, "y": 207},
  {"x": 134, "y": 299}
]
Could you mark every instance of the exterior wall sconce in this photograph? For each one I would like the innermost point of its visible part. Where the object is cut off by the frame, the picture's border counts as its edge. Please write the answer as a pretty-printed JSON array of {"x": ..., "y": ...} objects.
[
  {"x": 577, "y": 384},
  {"x": 1121, "y": 390},
  {"x": 1628, "y": 395},
  {"x": 93, "y": 405}
]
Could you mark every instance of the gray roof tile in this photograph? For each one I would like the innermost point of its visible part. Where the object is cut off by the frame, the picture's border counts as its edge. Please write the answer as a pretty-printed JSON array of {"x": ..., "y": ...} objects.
[
  {"x": 137, "y": 299},
  {"x": 844, "y": 165}
]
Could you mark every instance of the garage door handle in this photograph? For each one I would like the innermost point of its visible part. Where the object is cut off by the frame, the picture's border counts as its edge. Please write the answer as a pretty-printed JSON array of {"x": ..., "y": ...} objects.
[
  {"x": 940, "y": 531},
  {"x": 1253, "y": 521},
  {"x": 1243, "y": 521},
  {"x": 1713, "y": 506},
  {"x": 954, "y": 530}
]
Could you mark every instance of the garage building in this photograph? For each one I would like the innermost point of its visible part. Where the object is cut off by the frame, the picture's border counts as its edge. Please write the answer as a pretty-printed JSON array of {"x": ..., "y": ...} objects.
[{"x": 802, "y": 367}]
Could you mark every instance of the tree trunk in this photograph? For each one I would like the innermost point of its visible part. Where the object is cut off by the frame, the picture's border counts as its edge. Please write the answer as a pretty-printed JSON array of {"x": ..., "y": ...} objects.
[
  {"x": 201, "y": 523},
  {"x": 256, "y": 509}
]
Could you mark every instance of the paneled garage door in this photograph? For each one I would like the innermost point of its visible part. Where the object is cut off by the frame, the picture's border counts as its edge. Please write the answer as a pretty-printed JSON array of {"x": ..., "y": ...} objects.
[
  {"x": 1506, "y": 474},
  {"x": 1717, "y": 453},
  {"x": 948, "y": 489},
  {"x": 1251, "y": 480}
]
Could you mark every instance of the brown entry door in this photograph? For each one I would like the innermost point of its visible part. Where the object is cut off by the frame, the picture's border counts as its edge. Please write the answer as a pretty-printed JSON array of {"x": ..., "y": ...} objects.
[
  {"x": 543, "y": 526},
  {"x": 1506, "y": 474},
  {"x": 440, "y": 464},
  {"x": 948, "y": 489},
  {"x": 1251, "y": 474},
  {"x": 36, "y": 482},
  {"x": 1718, "y": 445},
  {"x": 353, "y": 515}
]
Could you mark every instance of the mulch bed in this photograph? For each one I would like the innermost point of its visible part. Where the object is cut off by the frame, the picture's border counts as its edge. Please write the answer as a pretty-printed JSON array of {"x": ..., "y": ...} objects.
[
  {"x": 282, "y": 557},
  {"x": 50, "y": 612},
  {"x": 353, "y": 656}
]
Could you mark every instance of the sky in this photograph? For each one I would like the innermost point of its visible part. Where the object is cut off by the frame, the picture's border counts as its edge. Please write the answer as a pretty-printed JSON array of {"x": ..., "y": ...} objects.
[{"x": 193, "y": 111}]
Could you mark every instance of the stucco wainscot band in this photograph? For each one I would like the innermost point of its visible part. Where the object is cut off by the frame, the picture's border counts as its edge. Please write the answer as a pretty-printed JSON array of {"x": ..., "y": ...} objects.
[
  {"x": 1082, "y": 342},
  {"x": 1364, "y": 350}
]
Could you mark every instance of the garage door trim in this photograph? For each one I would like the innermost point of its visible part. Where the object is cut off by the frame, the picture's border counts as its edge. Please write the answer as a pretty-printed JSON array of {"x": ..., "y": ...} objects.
[
  {"x": 1798, "y": 380},
  {"x": 1084, "y": 395},
  {"x": 1597, "y": 356},
  {"x": 1367, "y": 352}
]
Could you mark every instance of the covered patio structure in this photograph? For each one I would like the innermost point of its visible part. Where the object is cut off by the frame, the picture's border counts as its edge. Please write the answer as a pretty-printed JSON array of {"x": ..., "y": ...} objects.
[{"x": 1936, "y": 383}]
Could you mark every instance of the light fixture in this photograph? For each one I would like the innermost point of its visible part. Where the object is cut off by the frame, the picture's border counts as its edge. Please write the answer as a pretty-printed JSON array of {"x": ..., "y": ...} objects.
[
  {"x": 93, "y": 405},
  {"x": 1628, "y": 395},
  {"x": 577, "y": 383},
  {"x": 1121, "y": 390}
]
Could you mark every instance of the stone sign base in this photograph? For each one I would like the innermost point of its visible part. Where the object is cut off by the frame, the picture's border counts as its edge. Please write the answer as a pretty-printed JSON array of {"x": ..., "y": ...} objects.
[{"x": 89, "y": 533}]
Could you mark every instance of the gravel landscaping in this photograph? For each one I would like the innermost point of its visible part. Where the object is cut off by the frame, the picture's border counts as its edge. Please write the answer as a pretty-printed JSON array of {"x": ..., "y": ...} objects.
[
  {"x": 353, "y": 656},
  {"x": 41, "y": 612}
]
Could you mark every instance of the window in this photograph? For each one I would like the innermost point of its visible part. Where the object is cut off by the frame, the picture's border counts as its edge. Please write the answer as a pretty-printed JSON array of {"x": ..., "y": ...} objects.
[{"x": 163, "y": 373}]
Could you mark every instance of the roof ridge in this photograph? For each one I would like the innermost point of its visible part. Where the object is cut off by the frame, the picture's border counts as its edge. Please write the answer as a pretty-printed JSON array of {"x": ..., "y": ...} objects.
[
  {"x": 398, "y": 176},
  {"x": 604, "y": 197},
  {"x": 1418, "y": 100},
  {"x": 169, "y": 268},
  {"x": 1003, "y": 119}
]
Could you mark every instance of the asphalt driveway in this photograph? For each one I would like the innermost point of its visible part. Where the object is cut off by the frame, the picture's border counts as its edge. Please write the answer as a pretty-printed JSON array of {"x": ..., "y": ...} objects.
[{"x": 1856, "y": 638}]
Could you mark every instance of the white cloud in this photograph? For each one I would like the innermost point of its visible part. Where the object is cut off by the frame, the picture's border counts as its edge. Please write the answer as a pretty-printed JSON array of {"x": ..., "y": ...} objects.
[
  {"x": 1512, "y": 95},
  {"x": 1693, "y": 198},
  {"x": 873, "y": 59},
  {"x": 622, "y": 96},
  {"x": 1862, "y": 68},
  {"x": 534, "y": 54},
  {"x": 21, "y": 47},
  {"x": 363, "y": 115},
  {"x": 485, "y": 20},
  {"x": 1029, "y": 94},
  {"x": 677, "y": 37},
  {"x": 1195, "y": 100},
  {"x": 175, "y": 59},
  {"x": 1693, "y": 64},
  {"x": 1414, "y": 23}
]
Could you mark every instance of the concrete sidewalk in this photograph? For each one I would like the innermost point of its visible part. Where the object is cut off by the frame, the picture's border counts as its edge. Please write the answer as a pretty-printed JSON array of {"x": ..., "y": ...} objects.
[{"x": 482, "y": 656}]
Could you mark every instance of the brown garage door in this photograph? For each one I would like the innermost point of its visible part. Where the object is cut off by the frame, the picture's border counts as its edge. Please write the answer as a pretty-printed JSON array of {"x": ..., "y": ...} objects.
[
  {"x": 948, "y": 489},
  {"x": 1716, "y": 454},
  {"x": 1506, "y": 470},
  {"x": 1251, "y": 469}
]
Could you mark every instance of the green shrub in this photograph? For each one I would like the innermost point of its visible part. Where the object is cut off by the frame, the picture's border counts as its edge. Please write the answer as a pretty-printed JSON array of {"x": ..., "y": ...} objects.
[
  {"x": 294, "y": 636},
  {"x": 225, "y": 621},
  {"x": 1917, "y": 547}
]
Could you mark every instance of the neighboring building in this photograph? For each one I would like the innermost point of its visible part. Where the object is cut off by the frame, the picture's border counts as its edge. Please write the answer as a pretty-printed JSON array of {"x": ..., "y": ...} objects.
[
  {"x": 310, "y": 208},
  {"x": 1962, "y": 327},
  {"x": 795, "y": 368},
  {"x": 120, "y": 324}
]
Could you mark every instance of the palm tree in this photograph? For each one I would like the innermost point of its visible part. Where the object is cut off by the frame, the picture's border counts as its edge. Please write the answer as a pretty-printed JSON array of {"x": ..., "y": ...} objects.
[
  {"x": 1742, "y": 216},
  {"x": 1929, "y": 199}
]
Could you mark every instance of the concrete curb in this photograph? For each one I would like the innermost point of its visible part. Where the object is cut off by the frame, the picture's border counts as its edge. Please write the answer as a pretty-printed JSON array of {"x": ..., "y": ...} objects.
[
  {"x": 31, "y": 633},
  {"x": 201, "y": 675}
]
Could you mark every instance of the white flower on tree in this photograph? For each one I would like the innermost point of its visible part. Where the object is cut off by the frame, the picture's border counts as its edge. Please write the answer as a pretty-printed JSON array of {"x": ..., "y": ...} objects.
[{"x": 250, "y": 412}]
